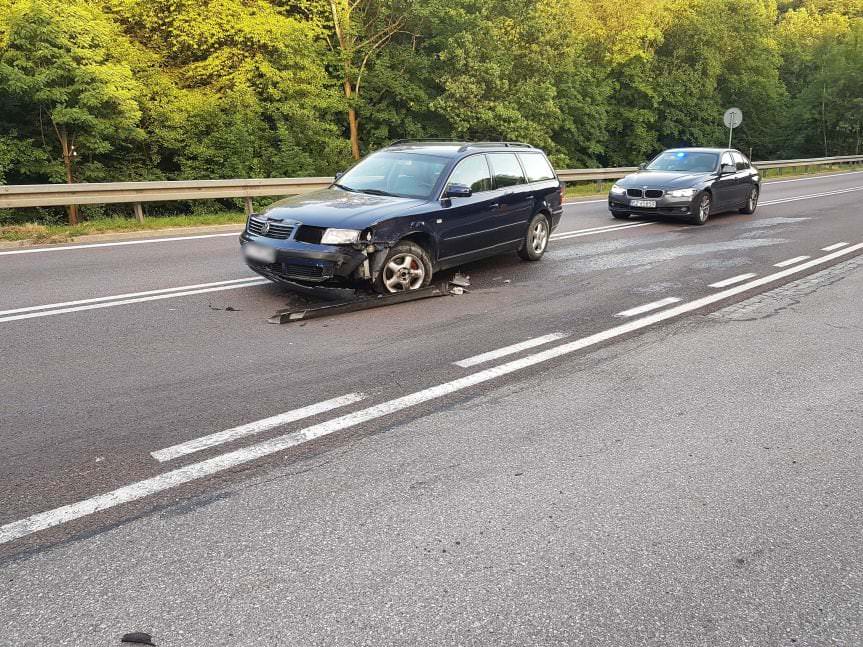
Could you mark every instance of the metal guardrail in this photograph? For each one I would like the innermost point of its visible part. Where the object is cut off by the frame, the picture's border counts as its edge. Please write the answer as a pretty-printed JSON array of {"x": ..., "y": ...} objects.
[{"x": 136, "y": 193}]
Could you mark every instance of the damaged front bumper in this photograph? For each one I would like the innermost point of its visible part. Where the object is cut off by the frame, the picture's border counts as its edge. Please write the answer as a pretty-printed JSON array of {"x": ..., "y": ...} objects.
[{"x": 305, "y": 263}]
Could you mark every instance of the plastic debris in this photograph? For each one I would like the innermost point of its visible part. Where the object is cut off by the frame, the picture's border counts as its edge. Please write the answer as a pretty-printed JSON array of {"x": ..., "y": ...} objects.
[
  {"x": 138, "y": 637},
  {"x": 456, "y": 290},
  {"x": 460, "y": 280}
]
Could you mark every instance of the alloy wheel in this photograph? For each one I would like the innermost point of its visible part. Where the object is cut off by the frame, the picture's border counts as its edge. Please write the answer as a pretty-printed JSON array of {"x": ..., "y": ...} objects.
[
  {"x": 403, "y": 272},
  {"x": 539, "y": 237}
]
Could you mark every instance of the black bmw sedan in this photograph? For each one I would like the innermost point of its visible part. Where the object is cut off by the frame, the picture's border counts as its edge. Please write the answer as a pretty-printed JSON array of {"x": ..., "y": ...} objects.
[
  {"x": 407, "y": 211},
  {"x": 688, "y": 183}
]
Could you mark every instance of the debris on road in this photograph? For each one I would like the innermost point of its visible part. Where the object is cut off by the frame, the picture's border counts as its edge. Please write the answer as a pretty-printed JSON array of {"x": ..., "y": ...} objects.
[
  {"x": 460, "y": 280},
  {"x": 138, "y": 637}
]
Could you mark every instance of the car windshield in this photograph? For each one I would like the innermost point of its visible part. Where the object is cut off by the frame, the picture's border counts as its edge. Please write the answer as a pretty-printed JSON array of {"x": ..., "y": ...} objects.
[
  {"x": 406, "y": 175},
  {"x": 684, "y": 162}
]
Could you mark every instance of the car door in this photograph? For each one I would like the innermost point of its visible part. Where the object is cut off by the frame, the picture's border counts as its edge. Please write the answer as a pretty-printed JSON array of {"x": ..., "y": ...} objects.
[
  {"x": 725, "y": 188},
  {"x": 744, "y": 177},
  {"x": 465, "y": 224},
  {"x": 514, "y": 197}
]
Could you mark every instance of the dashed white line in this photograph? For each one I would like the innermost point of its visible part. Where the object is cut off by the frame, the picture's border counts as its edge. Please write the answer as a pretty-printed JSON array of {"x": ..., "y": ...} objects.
[
  {"x": 509, "y": 350},
  {"x": 174, "y": 478},
  {"x": 147, "y": 241},
  {"x": 123, "y": 302},
  {"x": 833, "y": 247},
  {"x": 647, "y": 307},
  {"x": 812, "y": 195},
  {"x": 248, "y": 429},
  {"x": 734, "y": 279},
  {"x": 790, "y": 261},
  {"x": 64, "y": 304}
]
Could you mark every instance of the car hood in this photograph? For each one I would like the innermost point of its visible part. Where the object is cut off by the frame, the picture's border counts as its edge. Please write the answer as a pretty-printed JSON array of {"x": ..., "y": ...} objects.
[
  {"x": 337, "y": 208},
  {"x": 662, "y": 180}
]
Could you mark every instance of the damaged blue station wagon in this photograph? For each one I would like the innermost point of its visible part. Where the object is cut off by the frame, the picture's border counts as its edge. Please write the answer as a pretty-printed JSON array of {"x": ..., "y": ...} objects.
[{"x": 408, "y": 211}]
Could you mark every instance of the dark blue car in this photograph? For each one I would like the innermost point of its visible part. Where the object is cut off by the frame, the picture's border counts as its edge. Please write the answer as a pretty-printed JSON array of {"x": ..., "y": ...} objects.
[{"x": 408, "y": 211}]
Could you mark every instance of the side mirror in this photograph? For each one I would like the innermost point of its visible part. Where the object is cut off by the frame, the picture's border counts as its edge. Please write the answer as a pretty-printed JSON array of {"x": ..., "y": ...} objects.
[
  {"x": 339, "y": 175},
  {"x": 728, "y": 169},
  {"x": 642, "y": 166},
  {"x": 458, "y": 191}
]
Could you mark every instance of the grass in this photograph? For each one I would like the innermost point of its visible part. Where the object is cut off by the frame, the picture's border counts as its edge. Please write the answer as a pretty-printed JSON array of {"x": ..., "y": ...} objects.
[{"x": 44, "y": 234}]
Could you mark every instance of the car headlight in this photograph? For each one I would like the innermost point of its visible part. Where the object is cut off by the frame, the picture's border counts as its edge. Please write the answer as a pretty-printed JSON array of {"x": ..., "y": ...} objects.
[
  {"x": 617, "y": 190},
  {"x": 340, "y": 236},
  {"x": 681, "y": 193}
]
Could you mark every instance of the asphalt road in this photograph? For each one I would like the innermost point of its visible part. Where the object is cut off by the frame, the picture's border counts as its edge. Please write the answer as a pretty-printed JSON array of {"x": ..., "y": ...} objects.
[{"x": 693, "y": 478}]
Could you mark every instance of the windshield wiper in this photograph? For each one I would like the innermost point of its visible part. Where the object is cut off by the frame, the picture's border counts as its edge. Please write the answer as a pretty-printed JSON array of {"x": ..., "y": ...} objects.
[
  {"x": 344, "y": 188},
  {"x": 377, "y": 192}
]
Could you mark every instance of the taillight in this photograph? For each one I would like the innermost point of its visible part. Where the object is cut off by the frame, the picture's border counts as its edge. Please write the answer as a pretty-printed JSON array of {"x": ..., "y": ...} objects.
[{"x": 562, "y": 191}]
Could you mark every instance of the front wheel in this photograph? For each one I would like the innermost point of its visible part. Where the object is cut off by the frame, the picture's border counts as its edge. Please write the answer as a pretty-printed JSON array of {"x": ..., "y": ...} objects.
[
  {"x": 536, "y": 238},
  {"x": 751, "y": 202},
  {"x": 702, "y": 212},
  {"x": 407, "y": 267}
]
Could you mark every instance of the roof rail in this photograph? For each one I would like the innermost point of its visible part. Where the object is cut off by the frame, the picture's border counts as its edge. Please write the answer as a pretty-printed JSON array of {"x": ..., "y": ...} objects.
[
  {"x": 501, "y": 144},
  {"x": 428, "y": 140}
]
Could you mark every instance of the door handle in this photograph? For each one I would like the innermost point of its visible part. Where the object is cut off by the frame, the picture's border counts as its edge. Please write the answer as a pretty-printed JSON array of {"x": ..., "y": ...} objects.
[{"x": 494, "y": 205}]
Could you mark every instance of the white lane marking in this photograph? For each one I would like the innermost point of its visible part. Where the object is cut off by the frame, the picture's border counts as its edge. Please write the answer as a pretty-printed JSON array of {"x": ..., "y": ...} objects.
[
  {"x": 64, "y": 304},
  {"x": 790, "y": 261},
  {"x": 123, "y": 302},
  {"x": 598, "y": 230},
  {"x": 168, "y": 480},
  {"x": 575, "y": 203},
  {"x": 647, "y": 307},
  {"x": 810, "y": 196},
  {"x": 147, "y": 241},
  {"x": 509, "y": 350},
  {"x": 734, "y": 279},
  {"x": 221, "y": 437},
  {"x": 814, "y": 177},
  {"x": 830, "y": 248}
]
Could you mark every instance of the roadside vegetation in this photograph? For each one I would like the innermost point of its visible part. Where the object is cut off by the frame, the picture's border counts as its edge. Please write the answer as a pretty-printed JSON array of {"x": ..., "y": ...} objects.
[{"x": 113, "y": 90}]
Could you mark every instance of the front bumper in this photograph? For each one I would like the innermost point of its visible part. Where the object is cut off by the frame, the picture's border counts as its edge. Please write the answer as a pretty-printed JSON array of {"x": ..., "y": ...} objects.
[
  {"x": 665, "y": 206},
  {"x": 305, "y": 263}
]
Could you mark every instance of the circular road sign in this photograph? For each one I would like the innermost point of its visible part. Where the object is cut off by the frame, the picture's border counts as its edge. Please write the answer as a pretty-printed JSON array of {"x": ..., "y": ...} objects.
[{"x": 733, "y": 117}]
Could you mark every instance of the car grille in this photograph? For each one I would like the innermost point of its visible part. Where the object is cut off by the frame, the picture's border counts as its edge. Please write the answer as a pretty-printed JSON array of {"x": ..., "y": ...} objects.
[
  {"x": 296, "y": 271},
  {"x": 305, "y": 271},
  {"x": 653, "y": 193},
  {"x": 634, "y": 193},
  {"x": 277, "y": 229},
  {"x": 650, "y": 193}
]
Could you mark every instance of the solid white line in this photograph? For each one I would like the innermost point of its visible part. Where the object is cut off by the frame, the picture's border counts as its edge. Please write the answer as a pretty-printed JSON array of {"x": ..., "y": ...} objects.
[
  {"x": 790, "y": 261},
  {"x": 575, "y": 203},
  {"x": 647, "y": 307},
  {"x": 64, "y": 304},
  {"x": 123, "y": 302},
  {"x": 147, "y": 241},
  {"x": 811, "y": 196},
  {"x": 731, "y": 281},
  {"x": 509, "y": 350},
  {"x": 599, "y": 230},
  {"x": 814, "y": 177},
  {"x": 168, "y": 480},
  {"x": 830, "y": 248},
  {"x": 221, "y": 437}
]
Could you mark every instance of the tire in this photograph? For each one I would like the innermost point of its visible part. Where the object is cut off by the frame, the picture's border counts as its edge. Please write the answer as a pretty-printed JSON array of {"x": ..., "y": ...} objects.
[
  {"x": 406, "y": 267},
  {"x": 536, "y": 239},
  {"x": 703, "y": 213},
  {"x": 620, "y": 215},
  {"x": 751, "y": 202}
]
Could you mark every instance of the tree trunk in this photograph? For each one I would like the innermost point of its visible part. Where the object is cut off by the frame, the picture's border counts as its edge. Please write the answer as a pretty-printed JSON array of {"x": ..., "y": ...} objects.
[
  {"x": 70, "y": 179},
  {"x": 355, "y": 133}
]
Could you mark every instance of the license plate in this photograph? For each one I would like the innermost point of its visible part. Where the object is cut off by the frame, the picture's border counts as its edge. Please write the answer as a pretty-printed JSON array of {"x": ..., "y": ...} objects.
[
  {"x": 648, "y": 204},
  {"x": 260, "y": 253}
]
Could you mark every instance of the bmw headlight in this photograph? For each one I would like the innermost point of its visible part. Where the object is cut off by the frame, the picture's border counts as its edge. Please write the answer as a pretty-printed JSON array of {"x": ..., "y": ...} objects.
[
  {"x": 617, "y": 190},
  {"x": 340, "y": 236},
  {"x": 681, "y": 193}
]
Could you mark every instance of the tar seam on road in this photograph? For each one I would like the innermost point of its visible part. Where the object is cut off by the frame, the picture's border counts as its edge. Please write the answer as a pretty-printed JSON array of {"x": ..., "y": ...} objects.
[{"x": 195, "y": 471}]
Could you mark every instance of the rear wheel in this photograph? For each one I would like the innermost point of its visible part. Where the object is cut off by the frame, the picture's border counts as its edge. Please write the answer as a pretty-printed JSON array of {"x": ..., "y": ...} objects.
[
  {"x": 751, "y": 202},
  {"x": 407, "y": 267},
  {"x": 702, "y": 212},
  {"x": 536, "y": 238}
]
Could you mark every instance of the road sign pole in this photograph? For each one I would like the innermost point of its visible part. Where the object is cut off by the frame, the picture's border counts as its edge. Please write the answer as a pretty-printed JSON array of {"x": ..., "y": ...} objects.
[{"x": 730, "y": 135}]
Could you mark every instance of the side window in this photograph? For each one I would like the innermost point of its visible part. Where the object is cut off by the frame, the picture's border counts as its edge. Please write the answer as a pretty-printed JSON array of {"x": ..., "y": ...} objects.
[
  {"x": 506, "y": 170},
  {"x": 536, "y": 167},
  {"x": 741, "y": 161},
  {"x": 727, "y": 159},
  {"x": 472, "y": 172}
]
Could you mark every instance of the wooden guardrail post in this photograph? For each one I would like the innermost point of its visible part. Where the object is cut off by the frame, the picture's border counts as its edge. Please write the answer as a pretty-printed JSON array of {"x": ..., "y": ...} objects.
[
  {"x": 248, "y": 206},
  {"x": 139, "y": 212}
]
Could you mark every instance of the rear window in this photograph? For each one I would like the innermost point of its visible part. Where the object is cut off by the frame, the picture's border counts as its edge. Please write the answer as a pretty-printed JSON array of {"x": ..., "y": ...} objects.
[
  {"x": 536, "y": 167},
  {"x": 506, "y": 170}
]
